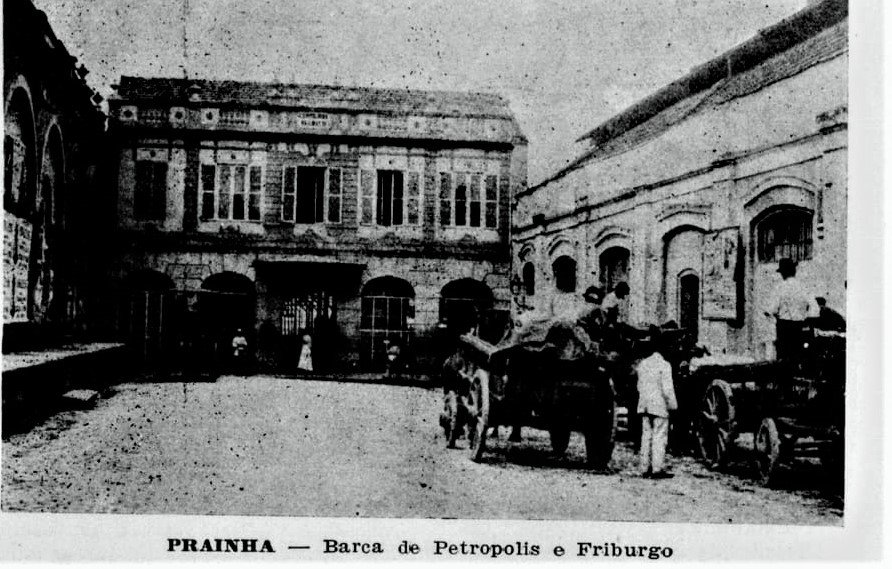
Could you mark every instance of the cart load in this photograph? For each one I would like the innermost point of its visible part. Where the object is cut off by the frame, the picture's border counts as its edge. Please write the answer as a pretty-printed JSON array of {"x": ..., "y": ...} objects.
[{"x": 545, "y": 374}]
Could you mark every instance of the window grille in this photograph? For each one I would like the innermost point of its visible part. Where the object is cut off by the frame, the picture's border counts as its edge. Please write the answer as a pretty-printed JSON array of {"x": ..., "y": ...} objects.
[
  {"x": 154, "y": 116},
  {"x": 234, "y": 117},
  {"x": 785, "y": 233}
]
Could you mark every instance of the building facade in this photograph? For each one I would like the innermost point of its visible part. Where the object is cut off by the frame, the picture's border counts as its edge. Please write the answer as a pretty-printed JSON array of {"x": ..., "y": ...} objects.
[
  {"x": 362, "y": 217},
  {"x": 693, "y": 194},
  {"x": 53, "y": 142}
]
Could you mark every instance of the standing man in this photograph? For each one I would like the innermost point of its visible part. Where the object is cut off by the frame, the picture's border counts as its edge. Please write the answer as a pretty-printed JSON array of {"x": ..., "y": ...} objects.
[
  {"x": 789, "y": 307},
  {"x": 656, "y": 397},
  {"x": 611, "y": 304}
]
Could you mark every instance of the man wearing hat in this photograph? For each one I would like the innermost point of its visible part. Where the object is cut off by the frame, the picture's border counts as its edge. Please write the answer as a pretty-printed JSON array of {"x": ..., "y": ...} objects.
[
  {"x": 591, "y": 317},
  {"x": 656, "y": 398},
  {"x": 789, "y": 306}
]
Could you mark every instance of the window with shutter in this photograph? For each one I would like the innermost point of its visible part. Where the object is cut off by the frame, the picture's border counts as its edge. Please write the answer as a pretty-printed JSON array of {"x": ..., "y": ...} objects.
[{"x": 367, "y": 190}]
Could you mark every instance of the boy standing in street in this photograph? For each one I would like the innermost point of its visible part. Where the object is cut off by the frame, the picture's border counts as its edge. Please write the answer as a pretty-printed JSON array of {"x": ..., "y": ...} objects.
[{"x": 656, "y": 397}]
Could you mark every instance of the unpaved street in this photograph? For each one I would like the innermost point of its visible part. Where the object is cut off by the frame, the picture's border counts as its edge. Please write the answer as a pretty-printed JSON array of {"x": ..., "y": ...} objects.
[{"x": 273, "y": 446}]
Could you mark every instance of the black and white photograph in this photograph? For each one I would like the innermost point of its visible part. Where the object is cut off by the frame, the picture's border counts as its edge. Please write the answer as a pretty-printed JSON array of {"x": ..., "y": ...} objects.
[{"x": 433, "y": 263}]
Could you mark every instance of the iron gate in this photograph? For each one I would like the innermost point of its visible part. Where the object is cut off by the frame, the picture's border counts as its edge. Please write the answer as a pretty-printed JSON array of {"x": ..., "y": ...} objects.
[{"x": 384, "y": 320}]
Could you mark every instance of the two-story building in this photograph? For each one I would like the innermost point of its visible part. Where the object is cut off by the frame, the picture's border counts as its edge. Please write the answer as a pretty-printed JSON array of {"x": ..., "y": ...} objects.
[
  {"x": 694, "y": 193},
  {"x": 361, "y": 216}
]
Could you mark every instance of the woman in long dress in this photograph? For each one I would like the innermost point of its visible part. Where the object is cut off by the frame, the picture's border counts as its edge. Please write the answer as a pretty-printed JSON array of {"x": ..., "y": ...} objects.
[{"x": 305, "y": 362}]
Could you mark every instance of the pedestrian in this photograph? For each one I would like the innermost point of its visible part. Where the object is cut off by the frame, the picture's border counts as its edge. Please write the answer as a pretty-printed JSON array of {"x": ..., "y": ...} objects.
[
  {"x": 612, "y": 303},
  {"x": 656, "y": 398},
  {"x": 789, "y": 306},
  {"x": 239, "y": 352},
  {"x": 305, "y": 361},
  {"x": 455, "y": 397},
  {"x": 394, "y": 361},
  {"x": 591, "y": 317},
  {"x": 828, "y": 319}
]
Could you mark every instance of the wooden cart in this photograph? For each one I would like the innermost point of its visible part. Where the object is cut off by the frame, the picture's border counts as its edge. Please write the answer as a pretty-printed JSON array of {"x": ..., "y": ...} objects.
[
  {"x": 793, "y": 407},
  {"x": 533, "y": 386}
]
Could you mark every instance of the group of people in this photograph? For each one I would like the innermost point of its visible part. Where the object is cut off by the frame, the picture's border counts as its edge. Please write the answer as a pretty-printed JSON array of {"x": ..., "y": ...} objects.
[{"x": 792, "y": 308}]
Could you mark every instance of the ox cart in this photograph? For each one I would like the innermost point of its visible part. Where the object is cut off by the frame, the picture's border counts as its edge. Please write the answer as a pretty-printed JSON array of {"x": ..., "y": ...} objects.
[
  {"x": 551, "y": 378},
  {"x": 793, "y": 408}
]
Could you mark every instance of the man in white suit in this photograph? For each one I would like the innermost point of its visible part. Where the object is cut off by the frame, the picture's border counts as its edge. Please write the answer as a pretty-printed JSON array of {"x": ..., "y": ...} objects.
[{"x": 656, "y": 397}]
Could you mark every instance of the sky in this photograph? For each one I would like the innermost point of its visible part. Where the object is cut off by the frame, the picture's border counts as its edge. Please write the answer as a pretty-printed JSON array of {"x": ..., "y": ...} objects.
[{"x": 565, "y": 66}]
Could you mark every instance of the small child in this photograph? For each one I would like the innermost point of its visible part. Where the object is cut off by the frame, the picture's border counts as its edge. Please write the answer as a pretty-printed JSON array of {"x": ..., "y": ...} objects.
[
  {"x": 394, "y": 362},
  {"x": 239, "y": 351},
  {"x": 656, "y": 397},
  {"x": 305, "y": 361}
]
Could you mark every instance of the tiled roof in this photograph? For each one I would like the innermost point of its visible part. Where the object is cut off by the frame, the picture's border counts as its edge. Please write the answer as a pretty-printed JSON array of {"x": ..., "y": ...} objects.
[
  {"x": 828, "y": 44},
  {"x": 321, "y": 97},
  {"x": 820, "y": 33}
]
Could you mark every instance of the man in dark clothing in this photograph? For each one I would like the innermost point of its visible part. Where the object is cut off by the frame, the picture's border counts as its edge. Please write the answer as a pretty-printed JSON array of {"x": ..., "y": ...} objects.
[
  {"x": 591, "y": 319},
  {"x": 455, "y": 397},
  {"x": 829, "y": 319}
]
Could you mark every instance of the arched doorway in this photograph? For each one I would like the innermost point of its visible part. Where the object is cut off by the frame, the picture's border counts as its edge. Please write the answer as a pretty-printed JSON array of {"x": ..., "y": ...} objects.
[
  {"x": 682, "y": 265},
  {"x": 387, "y": 315},
  {"x": 689, "y": 302},
  {"x": 783, "y": 231},
  {"x": 144, "y": 314},
  {"x": 466, "y": 304},
  {"x": 226, "y": 304},
  {"x": 49, "y": 293},
  {"x": 19, "y": 199}
]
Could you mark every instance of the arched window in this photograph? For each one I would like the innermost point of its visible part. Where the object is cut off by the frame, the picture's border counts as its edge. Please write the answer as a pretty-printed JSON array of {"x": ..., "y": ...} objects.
[
  {"x": 614, "y": 266},
  {"x": 529, "y": 278},
  {"x": 387, "y": 312},
  {"x": 564, "y": 270},
  {"x": 785, "y": 232},
  {"x": 18, "y": 151}
]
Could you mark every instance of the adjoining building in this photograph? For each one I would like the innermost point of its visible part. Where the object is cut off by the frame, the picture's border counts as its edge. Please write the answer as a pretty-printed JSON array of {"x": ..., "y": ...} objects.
[
  {"x": 53, "y": 141},
  {"x": 362, "y": 216},
  {"x": 694, "y": 193}
]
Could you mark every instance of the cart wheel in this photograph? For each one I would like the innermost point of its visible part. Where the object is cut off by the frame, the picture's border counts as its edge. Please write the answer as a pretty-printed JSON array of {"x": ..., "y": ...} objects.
[
  {"x": 449, "y": 419},
  {"x": 716, "y": 423},
  {"x": 560, "y": 439},
  {"x": 600, "y": 437},
  {"x": 478, "y": 408},
  {"x": 768, "y": 449}
]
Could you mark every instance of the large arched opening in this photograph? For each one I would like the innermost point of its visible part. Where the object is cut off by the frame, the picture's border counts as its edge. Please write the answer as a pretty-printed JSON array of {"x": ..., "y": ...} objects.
[
  {"x": 682, "y": 267},
  {"x": 19, "y": 199},
  {"x": 227, "y": 304},
  {"x": 466, "y": 305},
  {"x": 386, "y": 318}
]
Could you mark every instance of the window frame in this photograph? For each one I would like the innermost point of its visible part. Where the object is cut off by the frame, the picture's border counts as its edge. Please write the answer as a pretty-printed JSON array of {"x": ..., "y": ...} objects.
[
  {"x": 289, "y": 193},
  {"x": 411, "y": 197},
  {"x": 250, "y": 192},
  {"x": 800, "y": 250},
  {"x": 477, "y": 205},
  {"x": 158, "y": 190}
]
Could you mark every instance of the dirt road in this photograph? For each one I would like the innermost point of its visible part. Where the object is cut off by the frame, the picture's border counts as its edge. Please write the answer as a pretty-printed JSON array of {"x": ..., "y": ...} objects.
[{"x": 272, "y": 446}]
